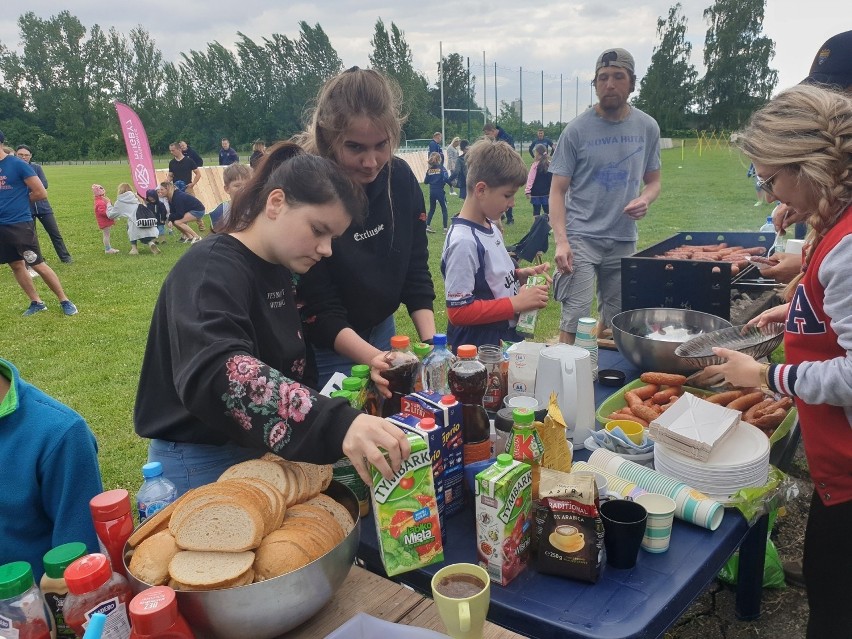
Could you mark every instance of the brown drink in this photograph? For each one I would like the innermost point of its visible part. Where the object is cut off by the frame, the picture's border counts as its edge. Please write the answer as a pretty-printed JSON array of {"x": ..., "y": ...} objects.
[{"x": 460, "y": 586}]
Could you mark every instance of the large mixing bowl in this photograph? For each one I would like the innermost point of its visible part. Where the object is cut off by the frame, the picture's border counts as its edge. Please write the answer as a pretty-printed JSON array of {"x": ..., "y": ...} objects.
[
  {"x": 648, "y": 337},
  {"x": 270, "y": 608}
]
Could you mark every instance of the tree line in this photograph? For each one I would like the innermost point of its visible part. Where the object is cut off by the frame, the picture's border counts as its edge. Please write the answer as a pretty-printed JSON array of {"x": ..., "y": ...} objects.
[{"x": 57, "y": 91}]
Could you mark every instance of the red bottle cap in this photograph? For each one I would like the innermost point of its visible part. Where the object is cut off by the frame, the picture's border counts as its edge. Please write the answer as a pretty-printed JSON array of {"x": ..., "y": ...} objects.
[
  {"x": 153, "y": 611},
  {"x": 466, "y": 350},
  {"x": 110, "y": 505},
  {"x": 427, "y": 423},
  {"x": 400, "y": 341},
  {"x": 88, "y": 573},
  {"x": 448, "y": 399}
]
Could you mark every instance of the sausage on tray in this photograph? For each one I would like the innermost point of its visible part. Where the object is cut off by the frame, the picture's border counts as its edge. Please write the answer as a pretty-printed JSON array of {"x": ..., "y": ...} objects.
[
  {"x": 723, "y": 399},
  {"x": 646, "y": 392},
  {"x": 663, "y": 379},
  {"x": 746, "y": 401},
  {"x": 664, "y": 396}
]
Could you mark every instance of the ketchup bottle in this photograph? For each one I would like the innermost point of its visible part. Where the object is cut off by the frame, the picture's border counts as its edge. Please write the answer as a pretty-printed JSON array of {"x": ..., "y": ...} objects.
[
  {"x": 154, "y": 613},
  {"x": 23, "y": 613},
  {"x": 94, "y": 587},
  {"x": 113, "y": 525}
]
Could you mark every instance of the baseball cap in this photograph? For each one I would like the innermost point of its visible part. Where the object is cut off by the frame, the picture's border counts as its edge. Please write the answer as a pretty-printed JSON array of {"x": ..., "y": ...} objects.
[
  {"x": 615, "y": 58},
  {"x": 833, "y": 62}
]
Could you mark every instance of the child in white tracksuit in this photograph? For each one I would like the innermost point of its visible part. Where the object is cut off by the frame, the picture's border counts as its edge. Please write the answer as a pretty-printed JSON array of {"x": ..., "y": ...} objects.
[{"x": 126, "y": 205}]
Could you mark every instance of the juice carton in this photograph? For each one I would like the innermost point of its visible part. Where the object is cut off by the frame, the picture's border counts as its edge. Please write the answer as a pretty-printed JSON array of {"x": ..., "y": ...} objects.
[
  {"x": 406, "y": 512},
  {"x": 503, "y": 518},
  {"x": 447, "y": 413},
  {"x": 432, "y": 435},
  {"x": 527, "y": 319}
]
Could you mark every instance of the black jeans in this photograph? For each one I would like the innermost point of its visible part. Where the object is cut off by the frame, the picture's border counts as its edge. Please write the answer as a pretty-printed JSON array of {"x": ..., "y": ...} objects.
[
  {"x": 48, "y": 221},
  {"x": 827, "y": 565}
]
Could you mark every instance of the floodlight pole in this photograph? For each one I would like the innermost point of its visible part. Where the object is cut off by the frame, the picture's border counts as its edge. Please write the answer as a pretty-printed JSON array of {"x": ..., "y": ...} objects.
[
  {"x": 468, "y": 97},
  {"x": 441, "y": 73},
  {"x": 484, "y": 85}
]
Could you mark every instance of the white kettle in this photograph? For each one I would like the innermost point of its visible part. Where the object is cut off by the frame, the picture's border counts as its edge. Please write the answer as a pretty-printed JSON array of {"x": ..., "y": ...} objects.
[{"x": 567, "y": 371}]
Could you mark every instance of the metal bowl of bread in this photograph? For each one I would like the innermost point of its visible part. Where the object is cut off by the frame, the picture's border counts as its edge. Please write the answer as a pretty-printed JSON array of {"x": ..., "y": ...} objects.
[
  {"x": 751, "y": 340},
  {"x": 648, "y": 337},
  {"x": 253, "y": 555}
]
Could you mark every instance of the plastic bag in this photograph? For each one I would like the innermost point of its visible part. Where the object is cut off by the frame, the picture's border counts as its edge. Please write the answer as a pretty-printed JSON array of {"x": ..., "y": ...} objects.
[{"x": 773, "y": 571}]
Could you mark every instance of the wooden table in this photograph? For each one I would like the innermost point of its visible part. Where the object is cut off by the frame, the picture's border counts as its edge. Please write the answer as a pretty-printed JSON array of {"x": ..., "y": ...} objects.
[{"x": 366, "y": 592}]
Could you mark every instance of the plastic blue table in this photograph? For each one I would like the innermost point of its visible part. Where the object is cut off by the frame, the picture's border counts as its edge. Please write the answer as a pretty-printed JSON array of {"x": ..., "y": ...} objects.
[{"x": 641, "y": 602}]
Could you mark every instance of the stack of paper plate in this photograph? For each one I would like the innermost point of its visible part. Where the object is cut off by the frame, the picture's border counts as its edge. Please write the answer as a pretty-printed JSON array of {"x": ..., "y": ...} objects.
[{"x": 740, "y": 461}]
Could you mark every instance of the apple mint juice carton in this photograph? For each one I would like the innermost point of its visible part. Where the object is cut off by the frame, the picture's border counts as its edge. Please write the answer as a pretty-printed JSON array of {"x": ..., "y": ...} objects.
[
  {"x": 406, "y": 512},
  {"x": 431, "y": 434},
  {"x": 527, "y": 319},
  {"x": 447, "y": 413},
  {"x": 503, "y": 518}
]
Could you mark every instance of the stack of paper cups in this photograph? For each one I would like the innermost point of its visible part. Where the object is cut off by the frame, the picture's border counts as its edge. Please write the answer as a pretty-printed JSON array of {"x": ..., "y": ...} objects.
[
  {"x": 615, "y": 484},
  {"x": 692, "y": 506},
  {"x": 587, "y": 338}
]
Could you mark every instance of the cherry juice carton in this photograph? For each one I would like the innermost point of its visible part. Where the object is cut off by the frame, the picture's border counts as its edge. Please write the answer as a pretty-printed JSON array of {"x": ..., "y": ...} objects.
[
  {"x": 406, "y": 512},
  {"x": 432, "y": 435},
  {"x": 447, "y": 413},
  {"x": 503, "y": 518}
]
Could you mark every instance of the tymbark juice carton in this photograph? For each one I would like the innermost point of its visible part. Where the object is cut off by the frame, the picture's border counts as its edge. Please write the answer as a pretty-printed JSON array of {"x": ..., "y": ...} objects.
[
  {"x": 503, "y": 518},
  {"x": 406, "y": 512}
]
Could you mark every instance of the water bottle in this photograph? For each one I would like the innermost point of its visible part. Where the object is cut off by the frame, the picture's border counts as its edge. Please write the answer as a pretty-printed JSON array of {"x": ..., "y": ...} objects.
[
  {"x": 585, "y": 338},
  {"x": 769, "y": 227},
  {"x": 436, "y": 366},
  {"x": 156, "y": 492}
]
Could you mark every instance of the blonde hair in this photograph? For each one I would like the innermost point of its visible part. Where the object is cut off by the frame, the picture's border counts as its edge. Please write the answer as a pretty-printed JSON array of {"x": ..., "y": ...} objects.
[
  {"x": 170, "y": 189},
  {"x": 807, "y": 130},
  {"x": 124, "y": 187},
  {"x": 434, "y": 158},
  {"x": 494, "y": 163},
  {"x": 352, "y": 94},
  {"x": 236, "y": 171}
]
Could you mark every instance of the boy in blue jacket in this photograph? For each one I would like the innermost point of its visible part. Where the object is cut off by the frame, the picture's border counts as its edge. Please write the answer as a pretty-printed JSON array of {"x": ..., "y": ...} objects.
[{"x": 436, "y": 178}]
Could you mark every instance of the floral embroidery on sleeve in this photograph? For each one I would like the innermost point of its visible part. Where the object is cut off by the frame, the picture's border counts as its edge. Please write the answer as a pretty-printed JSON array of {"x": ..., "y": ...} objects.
[{"x": 260, "y": 396}]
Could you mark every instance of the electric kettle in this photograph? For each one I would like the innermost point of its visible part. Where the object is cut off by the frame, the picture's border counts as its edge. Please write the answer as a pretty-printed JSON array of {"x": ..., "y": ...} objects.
[{"x": 567, "y": 371}]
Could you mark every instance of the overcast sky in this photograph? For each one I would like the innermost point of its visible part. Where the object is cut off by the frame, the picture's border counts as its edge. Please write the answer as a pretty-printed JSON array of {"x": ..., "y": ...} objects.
[{"x": 550, "y": 37}]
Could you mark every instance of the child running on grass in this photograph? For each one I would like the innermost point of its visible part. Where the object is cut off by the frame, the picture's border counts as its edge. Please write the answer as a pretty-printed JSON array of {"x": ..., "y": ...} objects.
[
  {"x": 234, "y": 176},
  {"x": 102, "y": 203},
  {"x": 484, "y": 287},
  {"x": 141, "y": 227},
  {"x": 436, "y": 178}
]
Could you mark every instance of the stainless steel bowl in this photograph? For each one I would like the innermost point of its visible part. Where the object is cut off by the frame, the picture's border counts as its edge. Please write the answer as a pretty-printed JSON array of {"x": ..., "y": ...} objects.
[
  {"x": 270, "y": 608},
  {"x": 631, "y": 331},
  {"x": 751, "y": 340}
]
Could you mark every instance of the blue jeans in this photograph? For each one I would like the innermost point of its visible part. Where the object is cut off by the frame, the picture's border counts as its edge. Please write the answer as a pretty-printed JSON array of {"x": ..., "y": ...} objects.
[
  {"x": 330, "y": 362},
  {"x": 193, "y": 465}
]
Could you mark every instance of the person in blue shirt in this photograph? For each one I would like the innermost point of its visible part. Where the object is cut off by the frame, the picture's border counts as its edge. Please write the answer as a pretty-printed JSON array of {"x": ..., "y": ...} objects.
[
  {"x": 435, "y": 145},
  {"x": 48, "y": 473},
  {"x": 227, "y": 155},
  {"x": 541, "y": 139},
  {"x": 436, "y": 178},
  {"x": 19, "y": 245}
]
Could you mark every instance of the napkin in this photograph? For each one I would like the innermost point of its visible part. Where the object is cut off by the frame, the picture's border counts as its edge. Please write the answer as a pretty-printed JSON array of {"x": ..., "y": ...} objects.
[{"x": 693, "y": 426}]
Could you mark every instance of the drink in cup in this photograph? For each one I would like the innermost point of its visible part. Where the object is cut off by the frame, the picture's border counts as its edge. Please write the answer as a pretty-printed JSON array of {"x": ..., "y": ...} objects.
[{"x": 462, "y": 593}]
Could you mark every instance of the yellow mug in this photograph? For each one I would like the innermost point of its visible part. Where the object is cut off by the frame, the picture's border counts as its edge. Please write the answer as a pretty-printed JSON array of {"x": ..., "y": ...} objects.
[
  {"x": 462, "y": 593},
  {"x": 634, "y": 430}
]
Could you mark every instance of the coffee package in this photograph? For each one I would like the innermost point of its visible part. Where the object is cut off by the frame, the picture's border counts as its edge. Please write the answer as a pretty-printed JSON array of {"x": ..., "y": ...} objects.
[{"x": 569, "y": 530}]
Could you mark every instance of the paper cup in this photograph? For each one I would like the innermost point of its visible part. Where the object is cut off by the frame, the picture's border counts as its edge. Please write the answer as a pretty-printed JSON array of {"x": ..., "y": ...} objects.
[
  {"x": 658, "y": 530},
  {"x": 600, "y": 480}
]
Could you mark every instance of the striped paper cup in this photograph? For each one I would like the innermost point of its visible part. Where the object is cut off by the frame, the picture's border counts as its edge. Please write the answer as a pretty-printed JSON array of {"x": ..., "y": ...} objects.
[{"x": 658, "y": 531}]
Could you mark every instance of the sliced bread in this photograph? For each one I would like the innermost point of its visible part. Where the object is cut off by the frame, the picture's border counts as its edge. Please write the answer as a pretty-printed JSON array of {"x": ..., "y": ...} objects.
[
  {"x": 338, "y": 511},
  {"x": 278, "y": 558},
  {"x": 210, "y": 570},
  {"x": 259, "y": 468},
  {"x": 150, "y": 560},
  {"x": 220, "y": 525}
]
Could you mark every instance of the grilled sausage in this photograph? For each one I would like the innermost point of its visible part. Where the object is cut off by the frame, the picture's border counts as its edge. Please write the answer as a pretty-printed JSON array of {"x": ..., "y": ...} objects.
[
  {"x": 746, "y": 401},
  {"x": 663, "y": 379}
]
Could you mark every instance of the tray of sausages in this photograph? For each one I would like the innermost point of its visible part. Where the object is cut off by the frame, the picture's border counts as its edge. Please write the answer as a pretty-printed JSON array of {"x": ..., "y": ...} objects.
[{"x": 644, "y": 399}]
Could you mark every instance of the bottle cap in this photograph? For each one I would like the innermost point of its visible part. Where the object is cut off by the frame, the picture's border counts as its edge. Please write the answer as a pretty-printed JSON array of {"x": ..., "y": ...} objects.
[
  {"x": 345, "y": 394},
  {"x": 15, "y": 579},
  {"x": 152, "y": 469},
  {"x": 504, "y": 459},
  {"x": 87, "y": 574},
  {"x": 400, "y": 341},
  {"x": 110, "y": 505},
  {"x": 448, "y": 400},
  {"x": 421, "y": 350},
  {"x": 427, "y": 423},
  {"x": 523, "y": 416},
  {"x": 56, "y": 560},
  {"x": 439, "y": 339},
  {"x": 153, "y": 611},
  {"x": 352, "y": 384},
  {"x": 466, "y": 350},
  {"x": 361, "y": 371}
]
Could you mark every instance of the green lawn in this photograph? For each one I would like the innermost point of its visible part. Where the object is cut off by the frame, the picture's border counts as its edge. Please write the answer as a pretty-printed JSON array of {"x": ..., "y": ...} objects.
[{"x": 91, "y": 361}]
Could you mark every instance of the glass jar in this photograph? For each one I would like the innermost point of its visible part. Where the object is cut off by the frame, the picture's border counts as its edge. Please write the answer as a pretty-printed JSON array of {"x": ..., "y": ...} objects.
[
  {"x": 23, "y": 613},
  {"x": 498, "y": 376}
]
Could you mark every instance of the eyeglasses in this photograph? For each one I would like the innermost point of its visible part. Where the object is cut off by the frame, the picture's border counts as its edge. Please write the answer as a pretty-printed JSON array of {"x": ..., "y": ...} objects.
[{"x": 766, "y": 185}]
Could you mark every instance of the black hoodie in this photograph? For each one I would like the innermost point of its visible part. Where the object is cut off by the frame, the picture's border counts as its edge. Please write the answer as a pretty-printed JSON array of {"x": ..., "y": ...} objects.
[{"x": 374, "y": 266}]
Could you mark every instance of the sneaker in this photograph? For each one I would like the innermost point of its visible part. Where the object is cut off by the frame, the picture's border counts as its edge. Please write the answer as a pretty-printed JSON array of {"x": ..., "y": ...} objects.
[
  {"x": 134, "y": 251},
  {"x": 445, "y": 231},
  {"x": 154, "y": 249},
  {"x": 68, "y": 260},
  {"x": 32, "y": 272},
  {"x": 429, "y": 229},
  {"x": 793, "y": 574},
  {"x": 194, "y": 240},
  {"x": 68, "y": 307},
  {"x": 34, "y": 308},
  {"x": 112, "y": 251},
  {"x": 182, "y": 240}
]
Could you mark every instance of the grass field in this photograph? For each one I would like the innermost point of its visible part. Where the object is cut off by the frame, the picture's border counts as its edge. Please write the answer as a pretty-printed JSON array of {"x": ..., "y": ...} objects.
[{"x": 91, "y": 361}]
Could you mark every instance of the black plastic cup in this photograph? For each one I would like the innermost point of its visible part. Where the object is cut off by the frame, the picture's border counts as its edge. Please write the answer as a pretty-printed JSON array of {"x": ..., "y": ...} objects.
[{"x": 624, "y": 526}]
